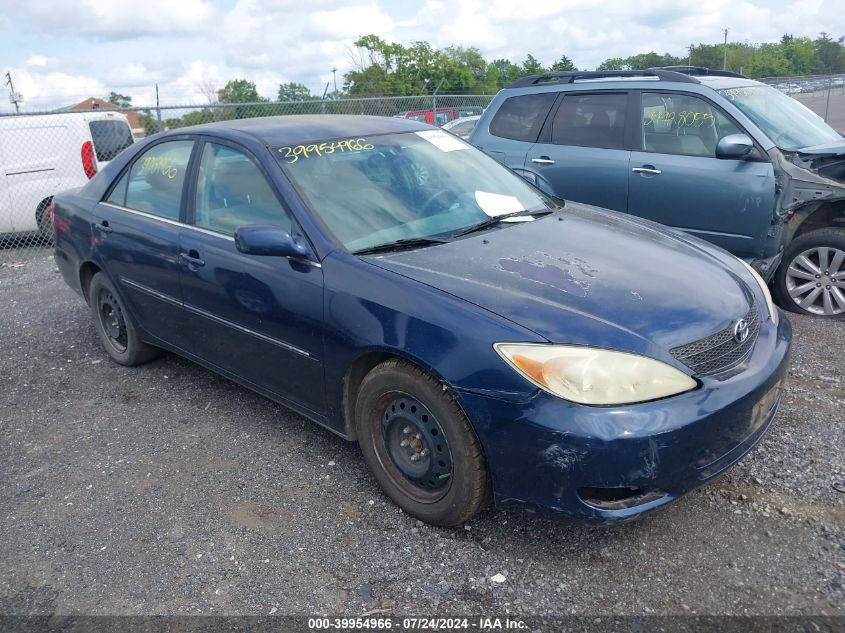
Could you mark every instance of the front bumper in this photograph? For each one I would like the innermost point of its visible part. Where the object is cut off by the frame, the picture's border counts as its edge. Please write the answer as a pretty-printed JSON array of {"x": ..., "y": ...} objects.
[{"x": 611, "y": 464}]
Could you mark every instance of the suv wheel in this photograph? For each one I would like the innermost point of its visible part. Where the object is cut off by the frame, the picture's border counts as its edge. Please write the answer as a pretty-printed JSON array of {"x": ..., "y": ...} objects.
[{"x": 811, "y": 277}]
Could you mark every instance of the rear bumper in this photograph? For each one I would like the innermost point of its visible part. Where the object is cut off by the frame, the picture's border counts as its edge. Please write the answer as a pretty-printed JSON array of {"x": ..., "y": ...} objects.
[{"x": 612, "y": 464}]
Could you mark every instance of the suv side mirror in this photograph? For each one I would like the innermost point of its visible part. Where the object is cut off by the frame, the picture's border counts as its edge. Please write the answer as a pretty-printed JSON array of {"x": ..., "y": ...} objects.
[
  {"x": 260, "y": 239},
  {"x": 734, "y": 146}
]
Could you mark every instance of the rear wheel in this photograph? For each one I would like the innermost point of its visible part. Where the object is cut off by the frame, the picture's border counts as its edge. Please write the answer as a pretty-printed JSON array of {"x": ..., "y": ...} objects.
[
  {"x": 115, "y": 325},
  {"x": 42, "y": 218},
  {"x": 419, "y": 445},
  {"x": 811, "y": 276}
]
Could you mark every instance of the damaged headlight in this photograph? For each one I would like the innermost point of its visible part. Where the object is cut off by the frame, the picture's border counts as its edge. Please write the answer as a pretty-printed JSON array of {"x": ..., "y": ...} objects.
[
  {"x": 764, "y": 288},
  {"x": 594, "y": 376}
]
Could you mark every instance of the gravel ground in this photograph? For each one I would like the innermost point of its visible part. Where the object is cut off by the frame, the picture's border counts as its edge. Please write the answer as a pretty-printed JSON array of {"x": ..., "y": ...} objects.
[{"x": 166, "y": 489}]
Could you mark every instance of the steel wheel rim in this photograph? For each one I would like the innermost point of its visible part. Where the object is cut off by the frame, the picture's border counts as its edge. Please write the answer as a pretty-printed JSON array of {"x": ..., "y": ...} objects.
[
  {"x": 403, "y": 418},
  {"x": 113, "y": 322},
  {"x": 815, "y": 281}
]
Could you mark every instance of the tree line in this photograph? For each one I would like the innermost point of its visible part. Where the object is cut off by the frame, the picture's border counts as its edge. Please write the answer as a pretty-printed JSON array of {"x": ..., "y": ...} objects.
[{"x": 382, "y": 68}]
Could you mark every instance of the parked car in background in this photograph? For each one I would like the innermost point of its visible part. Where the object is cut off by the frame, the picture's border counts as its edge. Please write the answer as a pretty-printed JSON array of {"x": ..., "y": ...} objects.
[
  {"x": 462, "y": 127},
  {"x": 392, "y": 283},
  {"x": 444, "y": 115},
  {"x": 730, "y": 160},
  {"x": 41, "y": 155}
]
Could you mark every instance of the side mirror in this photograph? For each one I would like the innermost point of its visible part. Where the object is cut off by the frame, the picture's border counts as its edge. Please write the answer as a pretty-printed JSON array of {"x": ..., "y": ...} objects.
[
  {"x": 259, "y": 239},
  {"x": 734, "y": 146}
]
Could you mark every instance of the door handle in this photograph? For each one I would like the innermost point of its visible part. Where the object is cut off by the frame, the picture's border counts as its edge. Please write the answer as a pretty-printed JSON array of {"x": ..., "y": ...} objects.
[
  {"x": 192, "y": 259},
  {"x": 103, "y": 227},
  {"x": 646, "y": 169},
  {"x": 543, "y": 160}
]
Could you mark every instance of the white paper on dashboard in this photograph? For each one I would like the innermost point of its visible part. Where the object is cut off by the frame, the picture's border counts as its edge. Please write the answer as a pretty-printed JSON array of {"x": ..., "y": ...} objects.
[
  {"x": 494, "y": 204},
  {"x": 443, "y": 141}
]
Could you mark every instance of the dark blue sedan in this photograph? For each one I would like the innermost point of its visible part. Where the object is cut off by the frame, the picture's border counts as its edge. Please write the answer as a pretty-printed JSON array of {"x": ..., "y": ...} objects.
[{"x": 479, "y": 340}]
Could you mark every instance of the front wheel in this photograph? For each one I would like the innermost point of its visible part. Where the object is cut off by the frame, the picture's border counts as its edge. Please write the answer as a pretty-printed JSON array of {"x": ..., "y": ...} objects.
[
  {"x": 811, "y": 276},
  {"x": 419, "y": 445}
]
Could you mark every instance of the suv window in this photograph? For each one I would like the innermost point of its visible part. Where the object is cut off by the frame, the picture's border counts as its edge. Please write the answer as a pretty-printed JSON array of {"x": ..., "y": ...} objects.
[
  {"x": 682, "y": 124},
  {"x": 591, "y": 120},
  {"x": 156, "y": 179},
  {"x": 232, "y": 192},
  {"x": 520, "y": 118},
  {"x": 110, "y": 138}
]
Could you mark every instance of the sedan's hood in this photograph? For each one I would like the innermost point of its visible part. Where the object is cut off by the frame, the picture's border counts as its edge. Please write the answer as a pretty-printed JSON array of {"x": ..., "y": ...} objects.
[{"x": 587, "y": 276}]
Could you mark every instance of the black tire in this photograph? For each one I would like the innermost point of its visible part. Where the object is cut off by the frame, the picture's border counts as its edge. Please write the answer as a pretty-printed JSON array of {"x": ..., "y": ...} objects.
[
  {"x": 786, "y": 281},
  {"x": 440, "y": 427},
  {"x": 115, "y": 325},
  {"x": 42, "y": 218}
]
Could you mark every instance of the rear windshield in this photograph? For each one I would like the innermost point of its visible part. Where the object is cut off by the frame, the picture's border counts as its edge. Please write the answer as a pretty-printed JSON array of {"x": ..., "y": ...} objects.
[
  {"x": 110, "y": 138},
  {"x": 520, "y": 118}
]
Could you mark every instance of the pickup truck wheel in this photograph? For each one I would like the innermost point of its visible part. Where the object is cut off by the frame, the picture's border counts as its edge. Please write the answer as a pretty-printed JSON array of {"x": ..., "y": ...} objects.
[
  {"x": 115, "y": 325},
  {"x": 419, "y": 445},
  {"x": 811, "y": 276}
]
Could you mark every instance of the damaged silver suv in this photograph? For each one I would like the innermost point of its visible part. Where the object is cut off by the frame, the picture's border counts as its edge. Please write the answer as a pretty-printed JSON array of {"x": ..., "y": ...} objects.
[{"x": 725, "y": 158}]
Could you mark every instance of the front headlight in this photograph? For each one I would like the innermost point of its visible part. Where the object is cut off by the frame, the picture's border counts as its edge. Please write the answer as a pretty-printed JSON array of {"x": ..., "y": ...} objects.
[
  {"x": 764, "y": 287},
  {"x": 594, "y": 376}
]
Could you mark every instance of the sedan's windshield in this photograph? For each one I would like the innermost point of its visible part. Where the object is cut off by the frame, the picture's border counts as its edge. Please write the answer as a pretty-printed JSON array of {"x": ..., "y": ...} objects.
[
  {"x": 787, "y": 122},
  {"x": 381, "y": 189}
]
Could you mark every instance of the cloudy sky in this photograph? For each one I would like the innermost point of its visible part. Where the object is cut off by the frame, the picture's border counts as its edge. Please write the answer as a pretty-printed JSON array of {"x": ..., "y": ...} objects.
[{"x": 62, "y": 51}]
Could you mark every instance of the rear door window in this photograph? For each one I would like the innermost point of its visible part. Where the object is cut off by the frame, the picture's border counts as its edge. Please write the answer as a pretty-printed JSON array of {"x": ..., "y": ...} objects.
[
  {"x": 682, "y": 124},
  {"x": 110, "y": 137},
  {"x": 591, "y": 120},
  {"x": 156, "y": 179},
  {"x": 520, "y": 118}
]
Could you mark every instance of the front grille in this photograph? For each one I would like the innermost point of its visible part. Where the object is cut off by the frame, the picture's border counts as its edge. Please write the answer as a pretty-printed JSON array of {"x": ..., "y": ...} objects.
[{"x": 720, "y": 351}]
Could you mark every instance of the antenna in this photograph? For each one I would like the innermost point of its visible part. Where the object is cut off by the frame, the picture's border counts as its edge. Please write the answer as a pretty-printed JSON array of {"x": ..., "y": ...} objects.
[{"x": 14, "y": 97}]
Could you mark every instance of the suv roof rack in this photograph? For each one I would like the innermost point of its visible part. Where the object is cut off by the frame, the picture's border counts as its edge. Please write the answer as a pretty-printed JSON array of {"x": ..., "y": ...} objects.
[
  {"x": 699, "y": 71},
  {"x": 570, "y": 77}
]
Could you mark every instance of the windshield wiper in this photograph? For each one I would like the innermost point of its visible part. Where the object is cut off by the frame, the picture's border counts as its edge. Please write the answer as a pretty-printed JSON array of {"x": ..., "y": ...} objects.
[
  {"x": 496, "y": 219},
  {"x": 408, "y": 242}
]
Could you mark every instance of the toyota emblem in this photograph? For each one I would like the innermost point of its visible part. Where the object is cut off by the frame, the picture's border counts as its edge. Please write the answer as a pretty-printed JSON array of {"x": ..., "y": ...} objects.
[{"x": 741, "y": 331}]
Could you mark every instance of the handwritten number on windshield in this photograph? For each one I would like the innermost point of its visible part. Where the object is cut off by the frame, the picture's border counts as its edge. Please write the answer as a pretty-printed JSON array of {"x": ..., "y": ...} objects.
[{"x": 292, "y": 154}]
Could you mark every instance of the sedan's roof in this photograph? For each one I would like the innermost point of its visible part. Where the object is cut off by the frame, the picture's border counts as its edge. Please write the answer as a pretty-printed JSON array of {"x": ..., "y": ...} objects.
[{"x": 279, "y": 131}]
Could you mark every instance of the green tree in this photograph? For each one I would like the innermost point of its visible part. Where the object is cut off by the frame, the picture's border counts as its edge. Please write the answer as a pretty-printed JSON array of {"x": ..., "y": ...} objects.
[
  {"x": 121, "y": 101},
  {"x": 830, "y": 54},
  {"x": 505, "y": 72},
  {"x": 641, "y": 61},
  {"x": 239, "y": 91},
  {"x": 385, "y": 68},
  {"x": 530, "y": 66},
  {"x": 150, "y": 123},
  {"x": 769, "y": 61},
  {"x": 294, "y": 92},
  {"x": 563, "y": 64}
]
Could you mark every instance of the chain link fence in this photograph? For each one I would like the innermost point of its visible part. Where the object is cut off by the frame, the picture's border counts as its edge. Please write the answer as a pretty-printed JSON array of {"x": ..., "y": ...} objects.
[
  {"x": 43, "y": 153},
  {"x": 823, "y": 94}
]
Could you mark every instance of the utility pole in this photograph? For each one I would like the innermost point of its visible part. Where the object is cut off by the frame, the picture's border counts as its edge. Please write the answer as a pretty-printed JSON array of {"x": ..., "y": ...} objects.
[
  {"x": 14, "y": 97},
  {"x": 158, "y": 111},
  {"x": 725, "y": 56},
  {"x": 334, "y": 75}
]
